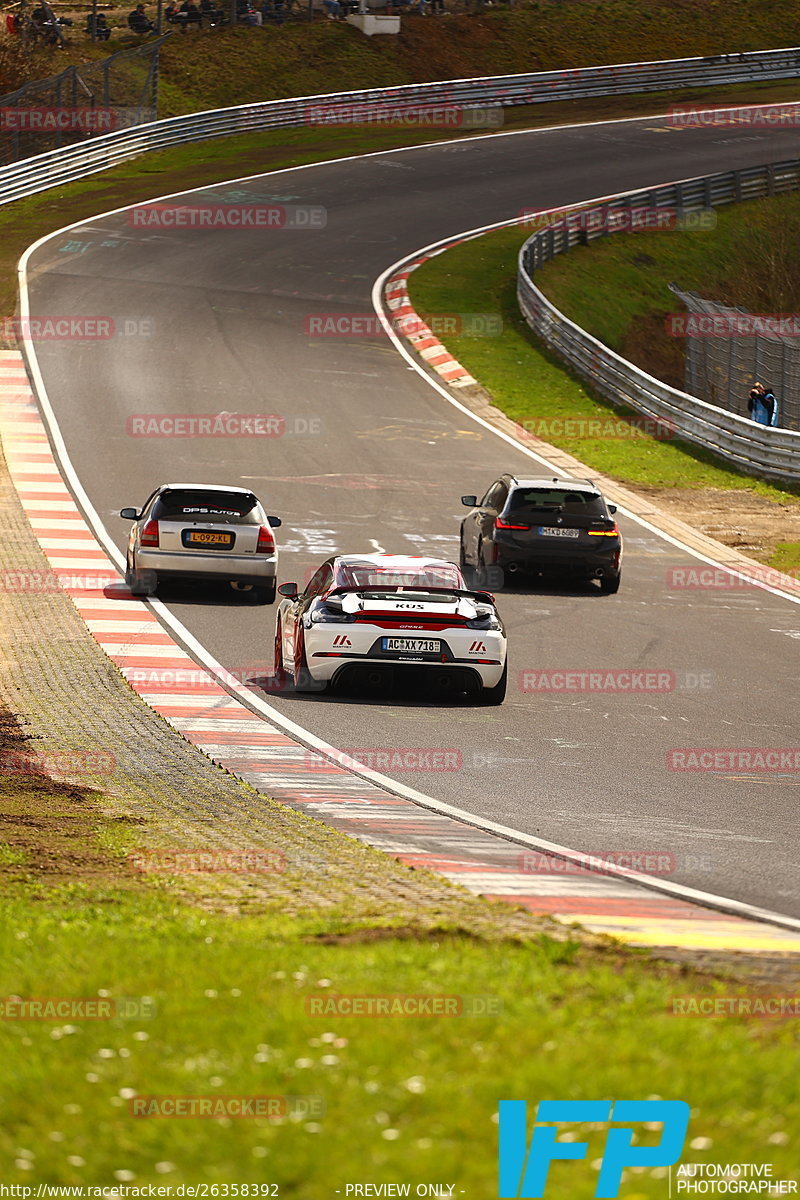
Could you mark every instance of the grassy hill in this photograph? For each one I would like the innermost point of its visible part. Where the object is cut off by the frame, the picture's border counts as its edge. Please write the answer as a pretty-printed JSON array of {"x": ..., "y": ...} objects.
[{"x": 218, "y": 67}]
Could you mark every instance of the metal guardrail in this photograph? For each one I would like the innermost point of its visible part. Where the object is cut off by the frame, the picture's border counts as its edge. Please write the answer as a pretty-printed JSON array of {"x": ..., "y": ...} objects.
[
  {"x": 755, "y": 448},
  {"x": 98, "y": 153}
]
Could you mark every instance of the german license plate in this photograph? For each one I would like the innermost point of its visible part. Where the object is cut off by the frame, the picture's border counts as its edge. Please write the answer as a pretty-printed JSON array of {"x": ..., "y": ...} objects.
[
  {"x": 557, "y": 531},
  {"x": 207, "y": 537},
  {"x": 412, "y": 645}
]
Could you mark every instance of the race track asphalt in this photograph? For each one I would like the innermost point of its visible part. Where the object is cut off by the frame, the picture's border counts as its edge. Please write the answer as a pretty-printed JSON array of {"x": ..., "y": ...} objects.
[{"x": 215, "y": 321}]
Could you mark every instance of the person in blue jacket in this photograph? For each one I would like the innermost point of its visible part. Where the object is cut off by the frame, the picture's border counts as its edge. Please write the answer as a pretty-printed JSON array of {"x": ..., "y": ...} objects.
[{"x": 763, "y": 405}]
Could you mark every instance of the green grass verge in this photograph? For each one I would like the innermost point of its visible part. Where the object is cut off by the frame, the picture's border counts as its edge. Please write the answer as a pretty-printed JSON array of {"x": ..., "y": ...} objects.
[
  {"x": 404, "y": 1098},
  {"x": 533, "y": 388}
]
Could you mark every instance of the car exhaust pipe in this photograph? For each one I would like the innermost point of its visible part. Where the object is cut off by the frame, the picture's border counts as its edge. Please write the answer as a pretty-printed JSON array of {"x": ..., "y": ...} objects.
[
  {"x": 512, "y": 568},
  {"x": 238, "y": 586},
  {"x": 599, "y": 573}
]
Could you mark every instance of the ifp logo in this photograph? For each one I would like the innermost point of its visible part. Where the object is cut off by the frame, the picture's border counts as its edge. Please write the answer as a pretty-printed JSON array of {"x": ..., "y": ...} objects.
[{"x": 524, "y": 1170}]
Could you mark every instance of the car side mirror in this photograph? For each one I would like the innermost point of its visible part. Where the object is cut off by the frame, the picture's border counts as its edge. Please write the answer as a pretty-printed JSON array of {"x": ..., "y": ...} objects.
[
  {"x": 289, "y": 590},
  {"x": 275, "y": 522},
  {"x": 469, "y": 501},
  {"x": 129, "y": 514},
  {"x": 612, "y": 508}
]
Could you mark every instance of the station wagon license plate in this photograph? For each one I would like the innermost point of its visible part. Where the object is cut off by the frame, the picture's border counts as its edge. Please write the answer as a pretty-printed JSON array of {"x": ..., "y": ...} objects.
[
  {"x": 412, "y": 645},
  {"x": 557, "y": 531},
  {"x": 207, "y": 537}
]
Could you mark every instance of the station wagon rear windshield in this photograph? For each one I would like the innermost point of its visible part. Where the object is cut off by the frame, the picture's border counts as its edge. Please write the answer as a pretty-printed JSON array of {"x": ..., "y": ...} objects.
[
  {"x": 226, "y": 508},
  {"x": 525, "y": 502}
]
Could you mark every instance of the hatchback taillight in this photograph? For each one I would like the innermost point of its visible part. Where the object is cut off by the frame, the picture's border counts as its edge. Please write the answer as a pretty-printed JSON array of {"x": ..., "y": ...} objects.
[
  {"x": 150, "y": 534},
  {"x": 266, "y": 542}
]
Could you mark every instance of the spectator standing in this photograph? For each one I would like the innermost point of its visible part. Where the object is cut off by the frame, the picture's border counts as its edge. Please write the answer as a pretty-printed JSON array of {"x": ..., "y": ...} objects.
[
  {"x": 771, "y": 406},
  {"x": 756, "y": 405}
]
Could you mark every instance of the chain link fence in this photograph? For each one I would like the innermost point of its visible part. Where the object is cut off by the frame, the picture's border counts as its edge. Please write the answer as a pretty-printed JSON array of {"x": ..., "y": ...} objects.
[
  {"x": 725, "y": 355},
  {"x": 82, "y": 101}
]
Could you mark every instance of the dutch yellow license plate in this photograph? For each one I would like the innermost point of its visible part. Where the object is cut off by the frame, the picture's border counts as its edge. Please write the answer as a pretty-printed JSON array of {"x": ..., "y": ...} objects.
[{"x": 206, "y": 537}]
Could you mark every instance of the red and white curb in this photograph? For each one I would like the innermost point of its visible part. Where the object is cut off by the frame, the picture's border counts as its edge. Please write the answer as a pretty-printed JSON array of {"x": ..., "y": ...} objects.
[
  {"x": 411, "y": 326},
  {"x": 192, "y": 700}
]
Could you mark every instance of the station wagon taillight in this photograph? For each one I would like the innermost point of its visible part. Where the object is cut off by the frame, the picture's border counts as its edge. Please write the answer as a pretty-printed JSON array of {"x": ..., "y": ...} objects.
[
  {"x": 266, "y": 542},
  {"x": 150, "y": 534},
  {"x": 501, "y": 524}
]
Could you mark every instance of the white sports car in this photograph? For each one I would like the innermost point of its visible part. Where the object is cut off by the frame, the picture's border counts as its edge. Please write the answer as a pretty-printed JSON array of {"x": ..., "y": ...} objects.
[{"x": 376, "y": 615}]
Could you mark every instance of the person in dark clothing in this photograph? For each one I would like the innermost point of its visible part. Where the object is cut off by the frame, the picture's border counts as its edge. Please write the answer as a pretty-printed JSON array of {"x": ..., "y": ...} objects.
[
  {"x": 138, "y": 21},
  {"x": 210, "y": 12},
  {"x": 99, "y": 26},
  {"x": 192, "y": 14}
]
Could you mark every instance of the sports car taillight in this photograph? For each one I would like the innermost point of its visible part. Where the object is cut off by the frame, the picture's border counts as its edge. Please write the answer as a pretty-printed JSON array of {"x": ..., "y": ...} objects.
[
  {"x": 266, "y": 542},
  {"x": 150, "y": 534}
]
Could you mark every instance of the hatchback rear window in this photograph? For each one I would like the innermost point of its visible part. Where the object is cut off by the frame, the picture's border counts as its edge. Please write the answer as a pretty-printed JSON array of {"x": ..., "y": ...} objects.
[
  {"x": 226, "y": 508},
  {"x": 530, "y": 501}
]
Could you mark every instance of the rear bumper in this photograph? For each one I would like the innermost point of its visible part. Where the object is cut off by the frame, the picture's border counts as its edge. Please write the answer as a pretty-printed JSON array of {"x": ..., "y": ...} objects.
[
  {"x": 478, "y": 655},
  {"x": 432, "y": 677},
  {"x": 249, "y": 568},
  {"x": 578, "y": 560}
]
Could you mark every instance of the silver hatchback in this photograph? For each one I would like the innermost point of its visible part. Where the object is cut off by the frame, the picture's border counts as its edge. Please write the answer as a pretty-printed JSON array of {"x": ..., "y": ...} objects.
[{"x": 202, "y": 532}]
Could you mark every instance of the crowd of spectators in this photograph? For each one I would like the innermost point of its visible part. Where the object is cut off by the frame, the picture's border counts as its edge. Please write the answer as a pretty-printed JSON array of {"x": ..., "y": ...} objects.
[{"x": 210, "y": 13}]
